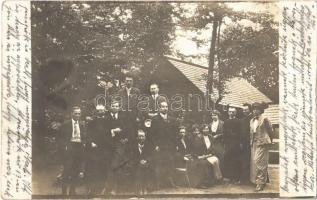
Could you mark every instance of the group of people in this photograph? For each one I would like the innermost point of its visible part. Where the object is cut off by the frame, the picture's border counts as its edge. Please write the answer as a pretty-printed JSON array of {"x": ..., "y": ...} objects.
[{"x": 116, "y": 146}]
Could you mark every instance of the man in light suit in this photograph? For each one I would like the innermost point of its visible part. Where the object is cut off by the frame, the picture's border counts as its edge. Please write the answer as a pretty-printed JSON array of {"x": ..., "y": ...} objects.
[{"x": 72, "y": 141}]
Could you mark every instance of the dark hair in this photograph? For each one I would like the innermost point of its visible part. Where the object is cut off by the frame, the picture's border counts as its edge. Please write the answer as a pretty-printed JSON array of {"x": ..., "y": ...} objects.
[
  {"x": 248, "y": 105},
  {"x": 115, "y": 101},
  {"x": 215, "y": 112},
  {"x": 260, "y": 106},
  {"x": 154, "y": 83},
  {"x": 204, "y": 126},
  {"x": 75, "y": 108},
  {"x": 195, "y": 126}
]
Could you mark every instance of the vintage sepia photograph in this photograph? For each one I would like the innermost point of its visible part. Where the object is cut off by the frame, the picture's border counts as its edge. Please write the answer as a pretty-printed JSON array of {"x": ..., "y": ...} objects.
[{"x": 155, "y": 99}]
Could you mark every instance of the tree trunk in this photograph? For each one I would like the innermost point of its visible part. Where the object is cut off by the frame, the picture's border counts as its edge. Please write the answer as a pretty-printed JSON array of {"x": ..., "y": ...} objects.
[{"x": 212, "y": 57}]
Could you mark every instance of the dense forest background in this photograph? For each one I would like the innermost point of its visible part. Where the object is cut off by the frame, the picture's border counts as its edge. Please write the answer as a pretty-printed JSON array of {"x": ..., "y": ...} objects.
[{"x": 79, "y": 46}]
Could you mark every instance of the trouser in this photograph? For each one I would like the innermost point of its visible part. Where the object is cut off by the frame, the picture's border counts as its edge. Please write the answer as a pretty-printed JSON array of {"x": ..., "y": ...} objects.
[
  {"x": 164, "y": 165},
  {"x": 72, "y": 164},
  {"x": 245, "y": 164},
  {"x": 259, "y": 164},
  {"x": 142, "y": 177},
  {"x": 117, "y": 167},
  {"x": 96, "y": 168}
]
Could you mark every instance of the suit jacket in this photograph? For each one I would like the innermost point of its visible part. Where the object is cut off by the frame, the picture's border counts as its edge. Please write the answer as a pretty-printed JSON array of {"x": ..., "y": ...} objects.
[
  {"x": 98, "y": 134},
  {"x": 129, "y": 103},
  {"x": 245, "y": 129},
  {"x": 66, "y": 132},
  {"x": 180, "y": 148},
  {"x": 154, "y": 103},
  {"x": 120, "y": 122},
  {"x": 263, "y": 134},
  {"x": 163, "y": 133},
  {"x": 146, "y": 154},
  {"x": 232, "y": 133}
]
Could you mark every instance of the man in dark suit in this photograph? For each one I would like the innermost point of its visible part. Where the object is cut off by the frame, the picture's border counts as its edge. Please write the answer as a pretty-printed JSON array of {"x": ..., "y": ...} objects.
[
  {"x": 163, "y": 135},
  {"x": 141, "y": 158},
  {"x": 128, "y": 96},
  {"x": 246, "y": 149},
  {"x": 154, "y": 101},
  {"x": 116, "y": 129},
  {"x": 232, "y": 142},
  {"x": 72, "y": 140},
  {"x": 99, "y": 150}
]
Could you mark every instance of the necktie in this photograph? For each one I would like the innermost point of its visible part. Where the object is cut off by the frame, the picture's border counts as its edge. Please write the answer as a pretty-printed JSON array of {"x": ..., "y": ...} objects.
[
  {"x": 140, "y": 148},
  {"x": 76, "y": 131}
]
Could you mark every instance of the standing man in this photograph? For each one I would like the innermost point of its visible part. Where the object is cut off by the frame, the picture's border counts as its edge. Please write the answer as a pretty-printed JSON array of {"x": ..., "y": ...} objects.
[
  {"x": 164, "y": 129},
  {"x": 73, "y": 139},
  {"x": 99, "y": 150},
  {"x": 117, "y": 131},
  {"x": 129, "y": 95},
  {"x": 232, "y": 143},
  {"x": 245, "y": 140},
  {"x": 129, "y": 99},
  {"x": 155, "y": 100}
]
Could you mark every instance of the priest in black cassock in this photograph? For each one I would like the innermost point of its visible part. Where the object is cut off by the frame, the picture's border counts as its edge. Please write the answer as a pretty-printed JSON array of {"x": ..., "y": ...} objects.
[{"x": 232, "y": 143}]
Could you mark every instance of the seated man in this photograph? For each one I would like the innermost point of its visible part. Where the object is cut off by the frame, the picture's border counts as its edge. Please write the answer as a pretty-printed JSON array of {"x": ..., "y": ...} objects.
[{"x": 141, "y": 153}]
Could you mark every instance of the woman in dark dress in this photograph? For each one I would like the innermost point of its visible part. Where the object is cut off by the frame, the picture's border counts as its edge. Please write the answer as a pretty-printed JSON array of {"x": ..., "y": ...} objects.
[{"x": 204, "y": 169}]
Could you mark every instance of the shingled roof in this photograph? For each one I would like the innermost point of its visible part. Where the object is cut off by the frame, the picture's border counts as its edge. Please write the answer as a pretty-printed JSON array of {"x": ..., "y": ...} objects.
[
  {"x": 272, "y": 112},
  {"x": 238, "y": 90}
]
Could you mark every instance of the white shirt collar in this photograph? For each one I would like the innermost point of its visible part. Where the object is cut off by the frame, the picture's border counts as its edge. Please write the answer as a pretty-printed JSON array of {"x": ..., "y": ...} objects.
[
  {"x": 214, "y": 126},
  {"x": 164, "y": 116},
  {"x": 207, "y": 141}
]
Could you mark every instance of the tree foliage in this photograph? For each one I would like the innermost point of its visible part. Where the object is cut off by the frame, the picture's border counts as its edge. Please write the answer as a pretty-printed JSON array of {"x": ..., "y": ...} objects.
[
  {"x": 248, "y": 51},
  {"x": 102, "y": 39}
]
